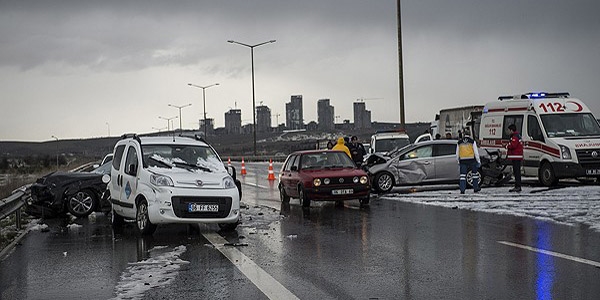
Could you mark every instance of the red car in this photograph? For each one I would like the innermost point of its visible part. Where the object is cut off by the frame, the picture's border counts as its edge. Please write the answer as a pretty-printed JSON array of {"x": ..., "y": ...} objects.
[{"x": 322, "y": 175}]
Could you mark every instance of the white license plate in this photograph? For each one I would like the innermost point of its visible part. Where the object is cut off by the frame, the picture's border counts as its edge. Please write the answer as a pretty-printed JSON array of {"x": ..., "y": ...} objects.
[
  {"x": 342, "y": 192},
  {"x": 194, "y": 207},
  {"x": 592, "y": 172}
]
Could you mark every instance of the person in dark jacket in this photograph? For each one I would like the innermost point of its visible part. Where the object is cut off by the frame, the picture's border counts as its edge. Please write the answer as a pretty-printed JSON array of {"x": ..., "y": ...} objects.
[
  {"x": 515, "y": 155},
  {"x": 467, "y": 155},
  {"x": 357, "y": 150}
]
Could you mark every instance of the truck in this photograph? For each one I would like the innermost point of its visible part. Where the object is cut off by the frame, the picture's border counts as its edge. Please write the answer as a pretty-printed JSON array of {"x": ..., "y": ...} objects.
[
  {"x": 561, "y": 136},
  {"x": 453, "y": 120},
  {"x": 387, "y": 140}
]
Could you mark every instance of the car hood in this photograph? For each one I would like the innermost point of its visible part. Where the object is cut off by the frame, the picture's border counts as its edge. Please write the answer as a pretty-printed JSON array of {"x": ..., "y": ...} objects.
[
  {"x": 339, "y": 172},
  {"x": 63, "y": 178},
  {"x": 181, "y": 175}
]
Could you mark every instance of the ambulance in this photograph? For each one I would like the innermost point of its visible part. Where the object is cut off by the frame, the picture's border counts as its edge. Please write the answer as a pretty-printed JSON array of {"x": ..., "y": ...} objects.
[{"x": 561, "y": 136}]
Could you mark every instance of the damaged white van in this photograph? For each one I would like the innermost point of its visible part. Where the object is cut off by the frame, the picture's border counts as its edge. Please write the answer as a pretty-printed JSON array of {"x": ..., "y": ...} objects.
[
  {"x": 561, "y": 136},
  {"x": 158, "y": 180}
]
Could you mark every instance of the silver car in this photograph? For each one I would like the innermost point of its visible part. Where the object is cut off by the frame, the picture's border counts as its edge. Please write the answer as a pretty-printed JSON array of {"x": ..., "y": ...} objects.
[{"x": 428, "y": 162}]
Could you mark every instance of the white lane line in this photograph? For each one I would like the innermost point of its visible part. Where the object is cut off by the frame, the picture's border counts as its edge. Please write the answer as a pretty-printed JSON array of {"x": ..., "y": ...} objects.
[
  {"x": 256, "y": 185},
  {"x": 261, "y": 279},
  {"x": 556, "y": 254}
]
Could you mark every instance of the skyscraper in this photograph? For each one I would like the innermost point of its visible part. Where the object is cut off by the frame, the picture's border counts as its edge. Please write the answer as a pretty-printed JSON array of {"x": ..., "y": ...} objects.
[
  {"x": 294, "y": 118},
  {"x": 233, "y": 121},
  {"x": 263, "y": 119},
  {"x": 362, "y": 116},
  {"x": 325, "y": 115}
]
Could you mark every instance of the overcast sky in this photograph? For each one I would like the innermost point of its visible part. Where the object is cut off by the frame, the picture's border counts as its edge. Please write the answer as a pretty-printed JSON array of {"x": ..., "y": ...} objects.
[{"x": 79, "y": 69}]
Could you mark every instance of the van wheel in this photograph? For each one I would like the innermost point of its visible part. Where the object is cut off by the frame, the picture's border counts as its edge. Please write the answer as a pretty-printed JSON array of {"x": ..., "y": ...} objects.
[
  {"x": 145, "y": 227},
  {"x": 383, "y": 182},
  {"x": 304, "y": 200},
  {"x": 546, "y": 175}
]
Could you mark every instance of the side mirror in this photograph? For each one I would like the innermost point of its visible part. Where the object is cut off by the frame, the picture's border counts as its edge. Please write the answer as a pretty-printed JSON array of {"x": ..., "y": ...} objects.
[
  {"x": 95, "y": 166},
  {"x": 294, "y": 168},
  {"x": 231, "y": 171}
]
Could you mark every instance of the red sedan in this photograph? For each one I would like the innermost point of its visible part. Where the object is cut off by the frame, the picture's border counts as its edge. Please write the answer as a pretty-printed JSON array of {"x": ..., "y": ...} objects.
[{"x": 322, "y": 175}]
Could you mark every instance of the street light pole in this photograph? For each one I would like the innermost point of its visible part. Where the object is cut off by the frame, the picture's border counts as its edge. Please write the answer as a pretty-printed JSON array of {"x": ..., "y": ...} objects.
[
  {"x": 253, "y": 97},
  {"x": 203, "y": 100},
  {"x": 56, "y": 152},
  {"x": 168, "y": 120},
  {"x": 180, "y": 107}
]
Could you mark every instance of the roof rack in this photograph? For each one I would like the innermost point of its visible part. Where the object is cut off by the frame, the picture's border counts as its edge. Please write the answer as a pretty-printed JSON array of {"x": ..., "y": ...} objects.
[{"x": 536, "y": 95}]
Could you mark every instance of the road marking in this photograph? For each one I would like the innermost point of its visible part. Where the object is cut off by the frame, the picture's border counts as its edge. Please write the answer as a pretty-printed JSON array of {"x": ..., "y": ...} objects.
[
  {"x": 261, "y": 279},
  {"x": 556, "y": 254},
  {"x": 256, "y": 185}
]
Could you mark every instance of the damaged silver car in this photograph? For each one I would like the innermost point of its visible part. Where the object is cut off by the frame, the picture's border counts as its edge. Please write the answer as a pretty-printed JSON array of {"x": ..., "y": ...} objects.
[{"x": 429, "y": 162}]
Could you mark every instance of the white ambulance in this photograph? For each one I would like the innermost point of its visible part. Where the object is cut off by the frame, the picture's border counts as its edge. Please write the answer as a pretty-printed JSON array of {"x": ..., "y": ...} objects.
[{"x": 561, "y": 137}]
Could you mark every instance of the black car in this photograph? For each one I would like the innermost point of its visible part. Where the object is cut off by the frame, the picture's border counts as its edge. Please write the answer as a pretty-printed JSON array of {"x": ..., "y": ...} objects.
[{"x": 79, "y": 193}]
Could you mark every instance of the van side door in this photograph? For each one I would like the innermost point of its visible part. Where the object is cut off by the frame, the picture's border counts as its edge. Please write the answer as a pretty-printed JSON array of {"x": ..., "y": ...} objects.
[
  {"x": 533, "y": 142},
  {"x": 129, "y": 178},
  {"x": 115, "y": 176}
]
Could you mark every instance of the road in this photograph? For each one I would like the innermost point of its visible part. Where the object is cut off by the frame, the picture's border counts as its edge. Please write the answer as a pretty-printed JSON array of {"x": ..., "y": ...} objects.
[{"x": 395, "y": 249}]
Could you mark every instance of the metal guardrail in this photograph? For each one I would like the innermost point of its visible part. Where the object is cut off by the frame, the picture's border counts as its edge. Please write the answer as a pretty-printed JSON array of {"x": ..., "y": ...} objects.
[{"x": 13, "y": 203}]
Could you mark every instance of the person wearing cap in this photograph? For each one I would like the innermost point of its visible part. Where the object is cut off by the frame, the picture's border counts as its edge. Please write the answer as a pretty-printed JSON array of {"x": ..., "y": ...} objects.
[
  {"x": 467, "y": 155},
  {"x": 357, "y": 150},
  {"x": 515, "y": 155}
]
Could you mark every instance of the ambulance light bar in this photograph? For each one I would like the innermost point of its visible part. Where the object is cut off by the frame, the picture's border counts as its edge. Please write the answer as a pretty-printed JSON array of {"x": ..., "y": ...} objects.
[{"x": 535, "y": 95}]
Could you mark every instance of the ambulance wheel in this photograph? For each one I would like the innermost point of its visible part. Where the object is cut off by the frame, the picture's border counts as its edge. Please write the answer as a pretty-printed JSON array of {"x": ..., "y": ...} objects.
[{"x": 546, "y": 175}]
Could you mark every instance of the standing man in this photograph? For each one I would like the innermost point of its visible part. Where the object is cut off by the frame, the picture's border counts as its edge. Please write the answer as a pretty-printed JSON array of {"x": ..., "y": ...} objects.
[
  {"x": 357, "y": 150},
  {"x": 468, "y": 159},
  {"x": 342, "y": 147},
  {"x": 515, "y": 155}
]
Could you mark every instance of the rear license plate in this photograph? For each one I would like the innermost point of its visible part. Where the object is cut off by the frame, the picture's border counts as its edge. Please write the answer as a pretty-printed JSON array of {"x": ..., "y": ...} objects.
[
  {"x": 342, "y": 192},
  {"x": 592, "y": 172},
  {"x": 195, "y": 207}
]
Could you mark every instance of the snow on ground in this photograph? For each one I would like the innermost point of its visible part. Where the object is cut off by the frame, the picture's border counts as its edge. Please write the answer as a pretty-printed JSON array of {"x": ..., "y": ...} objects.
[
  {"x": 569, "y": 205},
  {"x": 158, "y": 270}
]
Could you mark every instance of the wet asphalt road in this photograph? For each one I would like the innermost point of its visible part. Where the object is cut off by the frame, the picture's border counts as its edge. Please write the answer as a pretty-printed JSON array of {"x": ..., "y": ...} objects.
[{"x": 392, "y": 250}]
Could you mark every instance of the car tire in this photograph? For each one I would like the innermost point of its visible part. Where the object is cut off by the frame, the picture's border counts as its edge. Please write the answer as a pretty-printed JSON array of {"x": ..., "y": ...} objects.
[
  {"x": 82, "y": 203},
  {"x": 364, "y": 202},
  {"x": 383, "y": 182},
  {"x": 304, "y": 200},
  {"x": 546, "y": 175},
  {"x": 228, "y": 226},
  {"x": 142, "y": 220},
  {"x": 470, "y": 179},
  {"x": 282, "y": 195}
]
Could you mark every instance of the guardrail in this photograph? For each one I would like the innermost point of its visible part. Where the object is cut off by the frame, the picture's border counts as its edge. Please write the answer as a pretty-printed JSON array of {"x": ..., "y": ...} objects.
[{"x": 12, "y": 204}]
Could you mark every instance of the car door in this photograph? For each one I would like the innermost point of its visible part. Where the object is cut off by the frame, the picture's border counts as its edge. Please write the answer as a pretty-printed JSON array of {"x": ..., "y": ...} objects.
[
  {"x": 129, "y": 179},
  {"x": 445, "y": 163},
  {"x": 286, "y": 176},
  {"x": 294, "y": 176},
  {"x": 416, "y": 166},
  {"x": 115, "y": 176}
]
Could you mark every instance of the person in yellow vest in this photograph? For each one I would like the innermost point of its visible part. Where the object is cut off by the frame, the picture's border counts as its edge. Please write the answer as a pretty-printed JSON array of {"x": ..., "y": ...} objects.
[
  {"x": 468, "y": 159},
  {"x": 341, "y": 146}
]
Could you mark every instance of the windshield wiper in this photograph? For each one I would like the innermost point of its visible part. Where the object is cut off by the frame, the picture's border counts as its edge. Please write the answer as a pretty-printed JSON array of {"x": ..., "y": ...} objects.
[
  {"x": 161, "y": 162},
  {"x": 192, "y": 166}
]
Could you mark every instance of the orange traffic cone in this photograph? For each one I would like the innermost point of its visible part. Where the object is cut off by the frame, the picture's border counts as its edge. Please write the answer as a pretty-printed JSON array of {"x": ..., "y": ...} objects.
[
  {"x": 271, "y": 174},
  {"x": 229, "y": 161},
  {"x": 243, "y": 167}
]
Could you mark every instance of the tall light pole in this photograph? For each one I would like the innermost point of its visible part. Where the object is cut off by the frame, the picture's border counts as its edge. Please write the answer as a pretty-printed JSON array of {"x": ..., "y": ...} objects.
[
  {"x": 400, "y": 67},
  {"x": 203, "y": 100},
  {"x": 56, "y": 151},
  {"x": 180, "y": 107},
  {"x": 168, "y": 120},
  {"x": 253, "y": 98}
]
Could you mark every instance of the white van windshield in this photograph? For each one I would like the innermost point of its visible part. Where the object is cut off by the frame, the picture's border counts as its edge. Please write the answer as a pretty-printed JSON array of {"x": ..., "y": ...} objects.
[
  {"x": 385, "y": 145},
  {"x": 562, "y": 125}
]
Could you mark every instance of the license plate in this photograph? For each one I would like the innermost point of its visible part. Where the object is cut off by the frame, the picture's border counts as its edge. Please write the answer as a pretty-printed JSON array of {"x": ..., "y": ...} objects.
[
  {"x": 194, "y": 207},
  {"x": 592, "y": 172},
  {"x": 342, "y": 192}
]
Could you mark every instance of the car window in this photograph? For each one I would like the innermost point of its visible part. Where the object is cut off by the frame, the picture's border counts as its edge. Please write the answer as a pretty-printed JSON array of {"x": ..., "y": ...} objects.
[
  {"x": 131, "y": 160},
  {"x": 421, "y": 152},
  {"x": 189, "y": 155},
  {"x": 533, "y": 129},
  {"x": 508, "y": 120},
  {"x": 296, "y": 163},
  {"x": 289, "y": 163},
  {"x": 444, "y": 150},
  {"x": 116, "y": 162},
  {"x": 103, "y": 169}
]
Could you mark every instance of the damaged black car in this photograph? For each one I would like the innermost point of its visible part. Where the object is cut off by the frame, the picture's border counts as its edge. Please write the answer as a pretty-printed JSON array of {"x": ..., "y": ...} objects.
[{"x": 78, "y": 193}]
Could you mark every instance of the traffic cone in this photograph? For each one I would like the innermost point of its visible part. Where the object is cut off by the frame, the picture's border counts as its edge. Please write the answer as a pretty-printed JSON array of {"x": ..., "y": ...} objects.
[
  {"x": 229, "y": 161},
  {"x": 271, "y": 174},
  {"x": 243, "y": 167}
]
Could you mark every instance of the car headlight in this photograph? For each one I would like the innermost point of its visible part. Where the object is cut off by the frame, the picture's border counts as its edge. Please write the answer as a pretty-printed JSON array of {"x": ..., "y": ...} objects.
[
  {"x": 228, "y": 183},
  {"x": 161, "y": 180},
  {"x": 317, "y": 182},
  {"x": 364, "y": 179},
  {"x": 565, "y": 152},
  {"x": 355, "y": 179},
  {"x": 326, "y": 181}
]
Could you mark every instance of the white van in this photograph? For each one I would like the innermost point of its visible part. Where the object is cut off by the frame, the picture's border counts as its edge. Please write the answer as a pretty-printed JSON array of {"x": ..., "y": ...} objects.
[
  {"x": 384, "y": 141},
  {"x": 561, "y": 137}
]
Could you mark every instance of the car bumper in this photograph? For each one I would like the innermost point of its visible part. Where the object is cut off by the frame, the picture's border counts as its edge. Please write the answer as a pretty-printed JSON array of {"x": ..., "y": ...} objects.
[
  {"x": 573, "y": 170},
  {"x": 171, "y": 206},
  {"x": 326, "y": 193}
]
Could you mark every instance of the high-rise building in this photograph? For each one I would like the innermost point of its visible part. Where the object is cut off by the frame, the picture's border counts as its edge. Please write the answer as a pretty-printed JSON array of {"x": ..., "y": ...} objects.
[
  {"x": 210, "y": 125},
  {"x": 325, "y": 115},
  {"x": 233, "y": 121},
  {"x": 263, "y": 119},
  {"x": 362, "y": 116},
  {"x": 294, "y": 118}
]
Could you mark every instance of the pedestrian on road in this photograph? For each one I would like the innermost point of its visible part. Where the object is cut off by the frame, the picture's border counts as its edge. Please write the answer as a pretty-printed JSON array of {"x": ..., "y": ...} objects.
[
  {"x": 467, "y": 155},
  {"x": 341, "y": 146},
  {"x": 515, "y": 155},
  {"x": 357, "y": 150}
]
